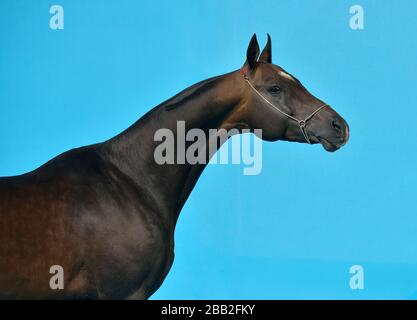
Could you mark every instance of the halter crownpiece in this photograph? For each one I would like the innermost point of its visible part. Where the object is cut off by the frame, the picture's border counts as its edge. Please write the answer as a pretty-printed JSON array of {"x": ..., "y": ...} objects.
[{"x": 301, "y": 123}]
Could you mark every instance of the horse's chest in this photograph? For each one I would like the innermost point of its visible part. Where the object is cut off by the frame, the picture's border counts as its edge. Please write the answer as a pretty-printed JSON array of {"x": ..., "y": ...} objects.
[{"x": 132, "y": 254}]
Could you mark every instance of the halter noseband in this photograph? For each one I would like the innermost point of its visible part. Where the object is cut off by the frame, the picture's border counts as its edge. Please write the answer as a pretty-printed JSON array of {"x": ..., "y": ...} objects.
[{"x": 301, "y": 123}]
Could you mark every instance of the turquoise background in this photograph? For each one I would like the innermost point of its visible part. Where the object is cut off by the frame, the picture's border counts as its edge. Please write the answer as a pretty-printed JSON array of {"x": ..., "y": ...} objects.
[{"x": 294, "y": 230}]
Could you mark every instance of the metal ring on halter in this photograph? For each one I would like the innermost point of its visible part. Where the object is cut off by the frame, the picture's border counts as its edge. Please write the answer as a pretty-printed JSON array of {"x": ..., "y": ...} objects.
[{"x": 301, "y": 123}]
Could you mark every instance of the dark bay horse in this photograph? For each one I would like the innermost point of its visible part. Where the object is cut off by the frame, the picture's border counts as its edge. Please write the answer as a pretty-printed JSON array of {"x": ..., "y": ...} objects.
[{"x": 107, "y": 212}]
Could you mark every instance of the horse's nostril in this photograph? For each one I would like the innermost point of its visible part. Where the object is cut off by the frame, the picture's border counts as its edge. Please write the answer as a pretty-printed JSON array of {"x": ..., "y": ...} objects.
[{"x": 336, "y": 126}]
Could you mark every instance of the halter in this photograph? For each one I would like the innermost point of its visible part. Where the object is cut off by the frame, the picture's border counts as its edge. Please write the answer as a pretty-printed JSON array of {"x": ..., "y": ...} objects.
[{"x": 301, "y": 123}]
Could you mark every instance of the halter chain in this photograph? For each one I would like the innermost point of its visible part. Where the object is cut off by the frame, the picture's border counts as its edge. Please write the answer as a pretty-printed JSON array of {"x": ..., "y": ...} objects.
[{"x": 301, "y": 123}]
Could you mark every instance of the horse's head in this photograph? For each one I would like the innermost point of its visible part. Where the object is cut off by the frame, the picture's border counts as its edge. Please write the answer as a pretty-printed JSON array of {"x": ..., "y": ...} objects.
[{"x": 277, "y": 103}]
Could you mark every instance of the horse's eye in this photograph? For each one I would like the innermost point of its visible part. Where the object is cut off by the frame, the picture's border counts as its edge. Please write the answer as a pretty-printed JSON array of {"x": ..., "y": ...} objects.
[{"x": 274, "y": 89}]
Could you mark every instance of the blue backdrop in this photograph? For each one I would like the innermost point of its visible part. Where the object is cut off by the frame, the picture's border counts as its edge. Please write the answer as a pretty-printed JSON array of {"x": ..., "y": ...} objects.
[{"x": 294, "y": 230}]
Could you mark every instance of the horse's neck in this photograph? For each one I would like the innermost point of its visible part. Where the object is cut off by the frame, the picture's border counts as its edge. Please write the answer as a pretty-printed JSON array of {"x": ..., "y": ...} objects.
[{"x": 207, "y": 105}]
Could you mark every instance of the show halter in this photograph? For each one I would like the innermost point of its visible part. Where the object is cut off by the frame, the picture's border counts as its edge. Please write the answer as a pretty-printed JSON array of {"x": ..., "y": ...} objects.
[{"x": 301, "y": 123}]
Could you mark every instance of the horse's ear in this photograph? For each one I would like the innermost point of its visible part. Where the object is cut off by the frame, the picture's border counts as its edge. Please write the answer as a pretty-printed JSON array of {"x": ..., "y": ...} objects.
[
  {"x": 252, "y": 52},
  {"x": 266, "y": 55}
]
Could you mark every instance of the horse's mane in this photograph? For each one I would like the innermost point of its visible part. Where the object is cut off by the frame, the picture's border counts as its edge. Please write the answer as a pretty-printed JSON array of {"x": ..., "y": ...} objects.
[{"x": 189, "y": 93}]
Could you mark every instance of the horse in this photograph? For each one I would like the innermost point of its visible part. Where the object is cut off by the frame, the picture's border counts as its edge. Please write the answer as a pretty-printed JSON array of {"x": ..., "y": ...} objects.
[{"x": 106, "y": 213}]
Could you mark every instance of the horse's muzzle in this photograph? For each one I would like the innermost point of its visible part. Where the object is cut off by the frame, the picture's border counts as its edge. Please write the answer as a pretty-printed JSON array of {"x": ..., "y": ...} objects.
[{"x": 339, "y": 137}]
